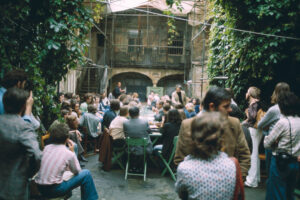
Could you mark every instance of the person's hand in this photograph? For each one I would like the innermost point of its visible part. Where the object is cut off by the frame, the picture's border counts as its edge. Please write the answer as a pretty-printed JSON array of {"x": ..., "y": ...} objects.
[
  {"x": 29, "y": 104},
  {"x": 298, "y": 158},
  {"x": 70, "y": 145}
]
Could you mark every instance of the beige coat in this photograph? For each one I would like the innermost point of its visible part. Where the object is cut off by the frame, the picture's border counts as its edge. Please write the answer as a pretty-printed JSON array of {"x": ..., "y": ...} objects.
[
  {"x": 175, "y": 98},
  {"x": 234, "y": 143}
]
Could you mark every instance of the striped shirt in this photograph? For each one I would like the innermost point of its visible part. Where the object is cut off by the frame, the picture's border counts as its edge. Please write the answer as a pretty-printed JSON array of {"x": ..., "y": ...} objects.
[
  {"x": 57, "y": 159},
  {"x": 280, "y": 137}
]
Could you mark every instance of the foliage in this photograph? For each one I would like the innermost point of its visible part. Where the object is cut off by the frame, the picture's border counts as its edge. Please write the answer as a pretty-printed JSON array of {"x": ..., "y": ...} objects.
[
  {"x": 250, "y": 59},
  {"x": 46, "y": 38},
  {"x": 172, "y": 33}
]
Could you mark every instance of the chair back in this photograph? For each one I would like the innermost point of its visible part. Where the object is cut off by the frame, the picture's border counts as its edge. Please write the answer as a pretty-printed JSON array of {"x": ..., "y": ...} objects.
[
  {"x": 174, "y": 148},
  {"x": 136, "y": 142}
]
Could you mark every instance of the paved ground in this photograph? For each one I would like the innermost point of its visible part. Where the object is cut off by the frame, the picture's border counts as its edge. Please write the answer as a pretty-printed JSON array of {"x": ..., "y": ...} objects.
[{"x": 112, "y": 186}]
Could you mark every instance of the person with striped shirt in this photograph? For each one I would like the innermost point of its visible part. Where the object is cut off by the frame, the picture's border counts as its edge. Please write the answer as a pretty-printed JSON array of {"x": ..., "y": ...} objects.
[{"x": 56, "y": 160}]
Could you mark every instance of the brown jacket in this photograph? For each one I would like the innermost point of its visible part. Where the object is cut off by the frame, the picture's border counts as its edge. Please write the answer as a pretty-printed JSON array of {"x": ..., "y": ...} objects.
[
  {"x": 105, "y": 153},
  {"x": 234, "y": 143}
]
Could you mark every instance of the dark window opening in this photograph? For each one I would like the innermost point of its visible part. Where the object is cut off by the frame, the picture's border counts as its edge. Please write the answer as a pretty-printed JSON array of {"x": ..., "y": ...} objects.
[
  {"x": 176, "y": 46},
  {"x": 101, "y": 40}
]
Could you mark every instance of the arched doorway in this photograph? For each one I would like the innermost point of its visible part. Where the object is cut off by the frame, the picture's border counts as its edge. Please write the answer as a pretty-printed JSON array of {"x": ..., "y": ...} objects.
[
  {"x": 169, "y": 83},
  {"x": 133, "y": 82}
]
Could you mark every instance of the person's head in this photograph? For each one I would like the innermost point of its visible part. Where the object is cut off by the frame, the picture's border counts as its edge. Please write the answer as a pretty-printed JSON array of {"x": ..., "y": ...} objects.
[
  {"x": 178, "y": 88},
  {"x": 92, "y": 109},
  {"x": 88, "y": 98},
  {"x": 115, "y": 105},
  {"x": 134, "y": 112},
  {"x": 103, "y": 95},
  {"x": 280, "y": 87},
  {"x": 14, "y": 100},
  {"x": 253, "y": 92},
  {"x": 119, "y": 84},
  {"x": 68, "y": 95},
  {"x": 73, "y": 103},
  {"x": 61, "y": 97},
  {"x": 66, "y": 106},
  {"x": 198, "y": 102},
  {"x": 122, "y": 97},
  {"x": 72, "y": 122},
  {"x": 217, "y": 99},
  {"x": 135, "y": 95},
  {"x": 64, "y": 113},
  {"x": 77, "y": 97},
  {"x": 179, "y": 106},
  {"x": 166, "y": 107},
  {"x": 289, "y": 103},
  {"x": 206, "y": 132},
  {"x": 190, "y": 107},
  {"x": 124, "y": 111},
  {"x": 97, "y": 99},
  {"x": 59, "y": 133},
  {"x": 15, "y": 78},
  {"x": 174, "y": 116},
  {"x": 159, "y": 104}
]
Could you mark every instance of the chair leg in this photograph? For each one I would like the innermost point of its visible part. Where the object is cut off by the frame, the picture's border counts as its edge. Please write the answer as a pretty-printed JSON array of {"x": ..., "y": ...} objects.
[
  {"x": 145, "y": 171},
  {"x": 126, "y": 171}
]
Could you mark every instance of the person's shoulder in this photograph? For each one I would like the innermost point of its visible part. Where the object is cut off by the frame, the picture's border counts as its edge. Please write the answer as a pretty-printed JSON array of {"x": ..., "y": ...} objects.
[
  {"x": 187, "y": 122},
  {"x": 233, "y": 120}
]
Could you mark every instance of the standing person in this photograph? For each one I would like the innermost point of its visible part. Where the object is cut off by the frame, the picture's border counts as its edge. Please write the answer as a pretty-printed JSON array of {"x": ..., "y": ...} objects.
[
  {"x": 118, "y": 90},
  {"x": 57, "y": 159},
  {"x": 19, "y": 153},
  {"x": 284, "y": 138},
  {"x": 253, "y": 97},
  {"x": 272, "y": 116},
  {"x": 234, "y": 142},
  {"x": 207, "y": 173},
  {"x": 178, "y": 96}
]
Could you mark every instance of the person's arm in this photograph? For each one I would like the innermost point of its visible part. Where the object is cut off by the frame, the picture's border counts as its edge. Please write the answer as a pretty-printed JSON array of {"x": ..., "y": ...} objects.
[
  {"x": 271, "y": 139},
  {"x": 73, "y": 162},
  {"x": 27, "y": 139},
  {"x": 242, "y": 152},
  {"x": 268, "y": 119},
  {"x": 181, "y": 147}
]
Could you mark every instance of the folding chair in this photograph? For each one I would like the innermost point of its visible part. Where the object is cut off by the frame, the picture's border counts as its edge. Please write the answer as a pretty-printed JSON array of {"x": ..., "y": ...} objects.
[
  {"x": 117, "y": 154},
  {"x": 167, "y": 164},
  {"x": 87, "y": 140},
  {"x": 136, "y": 142}
]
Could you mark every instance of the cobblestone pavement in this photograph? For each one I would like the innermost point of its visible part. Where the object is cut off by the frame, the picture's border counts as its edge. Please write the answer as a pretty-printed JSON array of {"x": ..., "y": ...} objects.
[{"x": 112, "y": 186}]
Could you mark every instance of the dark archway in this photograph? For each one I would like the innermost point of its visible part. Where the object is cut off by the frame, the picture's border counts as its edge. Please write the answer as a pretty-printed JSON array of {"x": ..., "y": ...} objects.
[
  {"x": 133, "y": 82},
  {"x": 169, "y": 83}
]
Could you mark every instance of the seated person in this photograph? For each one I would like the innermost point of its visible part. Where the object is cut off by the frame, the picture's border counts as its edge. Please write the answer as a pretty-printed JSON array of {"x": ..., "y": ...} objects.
[
  {"x": 75, "y": 135},
  {"x": 56, "y": 160},
  {"x": 159, "y": 111},
  {"x": 111, "y": 113},
  {"x": 137, "y": 128},
  {"x": 91, "y": 121},
  {"x": 169, "y": 131},
  {"x": 116, "y": 128},
  {"x": 191, "y": 110}
]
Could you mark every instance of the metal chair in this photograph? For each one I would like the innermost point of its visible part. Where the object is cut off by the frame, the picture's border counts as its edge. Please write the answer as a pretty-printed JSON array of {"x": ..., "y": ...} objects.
[
  {"x": 167, "y": 164},
  {"x": 136, "y": 142}
]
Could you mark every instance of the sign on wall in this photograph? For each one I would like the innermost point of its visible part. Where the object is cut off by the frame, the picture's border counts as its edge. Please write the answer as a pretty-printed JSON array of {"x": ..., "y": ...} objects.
[{"x": 158, "y": 90}]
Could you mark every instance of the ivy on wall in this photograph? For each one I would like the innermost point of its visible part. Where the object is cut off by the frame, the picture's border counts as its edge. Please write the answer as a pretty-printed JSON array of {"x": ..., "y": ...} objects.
[
  {"x": 251, "y": 59},
  {"x": 46, "y": 39}
]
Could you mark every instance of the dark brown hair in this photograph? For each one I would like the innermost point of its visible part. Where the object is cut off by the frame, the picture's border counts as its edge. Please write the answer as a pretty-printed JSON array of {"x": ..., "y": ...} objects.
[
  {"x": 124, "y": 111},
  {"x": 280, "y": 87},
  {"x": 207, "y": 131}
]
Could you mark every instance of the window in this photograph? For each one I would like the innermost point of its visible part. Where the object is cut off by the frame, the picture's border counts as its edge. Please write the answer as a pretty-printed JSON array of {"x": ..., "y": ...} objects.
[
  {"x": 176, "y": 46},
  {"x": 100, "y": 40},
  {"x": 134, "y": 40}
]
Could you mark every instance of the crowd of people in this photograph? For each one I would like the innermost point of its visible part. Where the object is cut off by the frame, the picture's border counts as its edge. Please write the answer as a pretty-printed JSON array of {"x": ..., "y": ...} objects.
[{"x": 217, "y": 151}]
